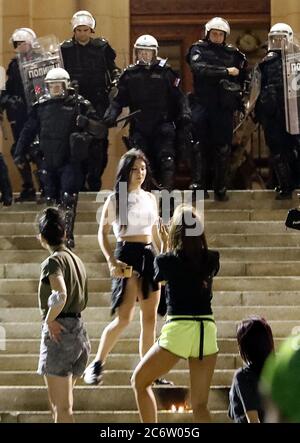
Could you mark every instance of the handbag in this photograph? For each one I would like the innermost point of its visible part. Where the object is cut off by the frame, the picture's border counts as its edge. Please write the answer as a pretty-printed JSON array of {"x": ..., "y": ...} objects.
[{"x": 293, "y": 219}]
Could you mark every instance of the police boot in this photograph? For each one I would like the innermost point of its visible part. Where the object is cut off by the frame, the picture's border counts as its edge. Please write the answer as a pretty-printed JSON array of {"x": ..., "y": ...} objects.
[
  {"x": 5, "y": 185},
  {"x": 68, "y": 205},
  {"x": 222, "y": 163},
  {"x": 284, "y": 177},
  {"x": 166, "y": 172},
  {"x": 198, "y": 170},
  {"x": 28, "y": 192},
  {"x": 38, "y": 175}
]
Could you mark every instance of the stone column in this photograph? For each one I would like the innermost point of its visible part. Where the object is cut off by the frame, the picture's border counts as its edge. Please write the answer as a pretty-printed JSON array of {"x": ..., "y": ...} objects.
[
  {"x": 53, "y": 17},
  {"x": 286, "y": 12},
  {"x": 112, "y": 17}
]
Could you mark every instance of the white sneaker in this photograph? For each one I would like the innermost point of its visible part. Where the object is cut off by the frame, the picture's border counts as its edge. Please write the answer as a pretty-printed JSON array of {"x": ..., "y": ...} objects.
[{"x": 93, "y": 373}]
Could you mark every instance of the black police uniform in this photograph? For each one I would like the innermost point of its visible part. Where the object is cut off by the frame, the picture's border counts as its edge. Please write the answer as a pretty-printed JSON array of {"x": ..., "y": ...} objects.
[
  {"x": 216, "y": 96},
  {"x": 13, "y": 101},
  {"x": 270, "y": 112},
  {"x": 64, "y": 147},
  {"x": 152, "y": 89},
  {"x": 5, "y": 184},
  {"x": 93, "y": 66}
]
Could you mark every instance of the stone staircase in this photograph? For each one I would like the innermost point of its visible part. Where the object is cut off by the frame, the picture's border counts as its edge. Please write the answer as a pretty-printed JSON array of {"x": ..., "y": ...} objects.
[{"x": 260, "y": 274}]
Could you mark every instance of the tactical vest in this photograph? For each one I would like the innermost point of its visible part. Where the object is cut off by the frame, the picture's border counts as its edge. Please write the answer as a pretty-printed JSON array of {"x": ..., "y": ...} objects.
[
  {"x": 88, "y": 65},
  {"x": 149, "y": 90},
  {"x": 57, "y": 121}
]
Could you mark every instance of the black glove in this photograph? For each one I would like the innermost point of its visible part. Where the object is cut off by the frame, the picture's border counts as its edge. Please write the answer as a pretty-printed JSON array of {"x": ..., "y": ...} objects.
[
  {"x": 82, "y": 121},
  {"x": 109, "y": 121}
]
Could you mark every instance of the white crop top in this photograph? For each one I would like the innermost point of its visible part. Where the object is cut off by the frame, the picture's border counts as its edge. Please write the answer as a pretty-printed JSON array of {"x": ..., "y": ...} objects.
[{"x": 142, "y": 215}]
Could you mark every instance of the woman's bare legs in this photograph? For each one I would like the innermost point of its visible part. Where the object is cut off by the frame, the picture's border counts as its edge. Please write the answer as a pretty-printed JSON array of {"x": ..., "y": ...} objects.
[
  {"x": 60, "y": 393},
  {"x": 201, "y": 372},
  {"x": 148, "y": 317},
  {"x": 125, "y": 314},
  {"x": 154, "y": 364}
]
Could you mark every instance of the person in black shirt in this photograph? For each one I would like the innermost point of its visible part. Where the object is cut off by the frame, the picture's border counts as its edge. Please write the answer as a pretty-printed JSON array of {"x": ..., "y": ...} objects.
[
  {"x": 219, "y": 71},
  {"x": 13, "y": 102},
  {"x": 190, "y": 331},
  {"x": 151, "y": 87},
  {"x": 91, "y": 62},
  {"x": 255, "y": 341}
]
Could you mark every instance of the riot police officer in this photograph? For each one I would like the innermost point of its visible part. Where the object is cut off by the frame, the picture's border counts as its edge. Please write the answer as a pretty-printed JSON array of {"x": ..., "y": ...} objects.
[
  {"x": 65, "y": 124},
  {"x": 270, "y": 111},
  {"x": 151, "y": 87},
  {"x": 13, "y": 101},
  {"x": 218, "y": 72},
  {"x": 91, "y": 61}
]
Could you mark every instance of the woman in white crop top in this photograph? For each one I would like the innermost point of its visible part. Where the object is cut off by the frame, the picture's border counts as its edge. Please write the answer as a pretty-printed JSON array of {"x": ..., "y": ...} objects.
[{"x": 134, "y": 218}]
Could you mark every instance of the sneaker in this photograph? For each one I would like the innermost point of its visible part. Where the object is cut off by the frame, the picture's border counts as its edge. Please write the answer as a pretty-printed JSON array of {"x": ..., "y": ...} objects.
[
  {"x": 163, "y": 382},
  {"x": 92, "y": 374}
]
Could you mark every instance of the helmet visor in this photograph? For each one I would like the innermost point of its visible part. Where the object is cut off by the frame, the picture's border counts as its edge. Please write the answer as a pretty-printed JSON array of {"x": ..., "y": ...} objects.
[
  {"x": 56, "y": 88},
  {"x": 277, "y": 41}
]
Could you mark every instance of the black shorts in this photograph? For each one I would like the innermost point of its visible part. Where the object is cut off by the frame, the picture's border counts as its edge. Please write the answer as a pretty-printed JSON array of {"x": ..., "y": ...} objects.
[{"x": 141, "y": 257}]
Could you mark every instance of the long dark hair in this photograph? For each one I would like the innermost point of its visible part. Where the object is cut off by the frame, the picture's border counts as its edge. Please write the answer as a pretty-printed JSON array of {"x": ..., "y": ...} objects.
[
  {"x": 255, "y": 341},
  {"x": 192, "y": 247},
  {"x": 51, "y": 225},
  {"x": 123, "y": 176}
]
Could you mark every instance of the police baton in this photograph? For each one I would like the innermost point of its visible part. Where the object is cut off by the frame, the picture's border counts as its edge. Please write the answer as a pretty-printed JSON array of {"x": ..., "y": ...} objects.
[{"x": 127, "y": 117}]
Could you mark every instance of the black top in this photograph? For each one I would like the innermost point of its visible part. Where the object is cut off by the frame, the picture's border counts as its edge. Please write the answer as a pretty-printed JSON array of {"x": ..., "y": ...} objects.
[
  {"x": 188, "y": 291},
  {"x": 244, "y": 396}
]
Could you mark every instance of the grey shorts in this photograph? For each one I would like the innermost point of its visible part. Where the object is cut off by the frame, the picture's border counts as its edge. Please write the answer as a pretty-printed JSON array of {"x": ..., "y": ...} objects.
[{"x": 70, "y": 355}]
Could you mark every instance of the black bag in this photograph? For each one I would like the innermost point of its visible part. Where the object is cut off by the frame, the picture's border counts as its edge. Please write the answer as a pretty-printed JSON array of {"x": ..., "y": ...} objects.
[{"x": 293, "y": 219}]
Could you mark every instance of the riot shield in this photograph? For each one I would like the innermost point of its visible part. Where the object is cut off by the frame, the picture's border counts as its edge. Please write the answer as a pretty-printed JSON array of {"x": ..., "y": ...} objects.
[
  {"x": 254, "y": 89},
  {"x": 44, "y": 54},
  {"x": 251, "y": 95},
  {"x": 291, "y": 81}
]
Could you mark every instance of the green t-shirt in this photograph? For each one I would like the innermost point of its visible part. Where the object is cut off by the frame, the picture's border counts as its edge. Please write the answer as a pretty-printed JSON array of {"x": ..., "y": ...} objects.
[{"x": 64, "y": 262}]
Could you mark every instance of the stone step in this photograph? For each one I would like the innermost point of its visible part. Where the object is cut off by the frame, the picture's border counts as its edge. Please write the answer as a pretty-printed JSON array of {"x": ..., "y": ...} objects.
[
  {"x": 28, "y": 362},
  {"x": 249, "y": 194},
  {"x": 237, "y": 201},
  {"x": 236, "y": 254},
  {"x": 226, "y": 329},
  {"x": 123, "y": 346},
  {"x": 32, "y": 398},
  {"x": 115, "y": 377},
  {"x": 89, "y": 242},
  {"x": 228, "y": 268},
  {"x": 234, "y": 313},
  {"x": 211, "y": 227},
  {"x": 13, "y": 286},
  {"x": 220, "y": 298},
  {"x": 108, "y": 417},
  {"x": 211, "y": 214}
]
